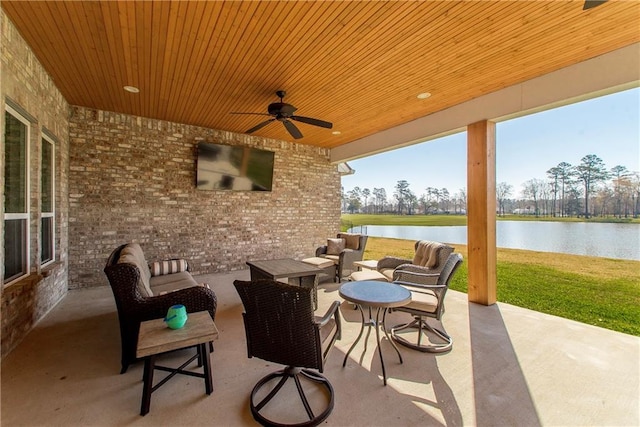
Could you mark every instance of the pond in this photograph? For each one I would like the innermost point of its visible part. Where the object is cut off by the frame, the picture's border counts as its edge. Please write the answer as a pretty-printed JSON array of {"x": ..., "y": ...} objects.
[{"x": 606, "y": 240}]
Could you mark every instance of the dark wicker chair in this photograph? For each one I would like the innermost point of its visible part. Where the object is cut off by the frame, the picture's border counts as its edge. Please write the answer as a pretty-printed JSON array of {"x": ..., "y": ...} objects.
[
  {"x": 133, "y": 308},
  {"x": 427, "y": 301},
  {"x": 280, "y": 327},
  {"x": 344, "y": 260}
]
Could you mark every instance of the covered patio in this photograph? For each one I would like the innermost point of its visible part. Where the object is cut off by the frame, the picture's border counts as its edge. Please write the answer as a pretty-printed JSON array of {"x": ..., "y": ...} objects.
[
  {"x": 508, "y": 366},
  {"x": 386, "y": 75}
]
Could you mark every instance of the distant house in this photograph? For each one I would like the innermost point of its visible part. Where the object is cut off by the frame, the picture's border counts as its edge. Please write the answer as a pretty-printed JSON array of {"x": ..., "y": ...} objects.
[{"x": 525, "y": 211}]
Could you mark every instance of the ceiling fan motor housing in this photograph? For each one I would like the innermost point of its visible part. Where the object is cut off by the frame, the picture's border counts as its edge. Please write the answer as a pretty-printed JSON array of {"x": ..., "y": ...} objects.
[{"x": 281, "y": 109}]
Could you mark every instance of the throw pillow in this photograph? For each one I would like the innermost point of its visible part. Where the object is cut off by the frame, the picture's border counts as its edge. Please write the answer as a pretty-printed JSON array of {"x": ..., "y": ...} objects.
[
  {"x": 352, "y": 241},
  {"x": 335, "y": 246},
  {"x": 160, "y": 268}
]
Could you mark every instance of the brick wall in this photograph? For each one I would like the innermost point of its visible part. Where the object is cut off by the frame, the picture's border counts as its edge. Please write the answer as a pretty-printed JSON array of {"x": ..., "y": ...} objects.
[
  {"x": 133, "y": 179},
  {"x": 29, "y": 88},
  {"x": 121, "y": 178}
]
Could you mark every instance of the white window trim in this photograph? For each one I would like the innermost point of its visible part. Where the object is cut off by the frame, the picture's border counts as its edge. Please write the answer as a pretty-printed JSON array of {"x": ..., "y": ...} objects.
[
  {"x": 25, "y": 215},
  {"x": 51, "y": 214}
]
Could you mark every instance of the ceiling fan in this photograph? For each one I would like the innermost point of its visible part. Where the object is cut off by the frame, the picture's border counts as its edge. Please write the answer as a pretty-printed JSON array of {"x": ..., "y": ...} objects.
[
  {"x": 588, "y": 4},
  {"x": 283, "y": 112}
]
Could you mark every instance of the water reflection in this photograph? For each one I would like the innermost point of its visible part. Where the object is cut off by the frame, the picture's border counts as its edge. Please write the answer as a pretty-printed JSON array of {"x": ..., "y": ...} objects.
[{"x": 579, "y": 238}]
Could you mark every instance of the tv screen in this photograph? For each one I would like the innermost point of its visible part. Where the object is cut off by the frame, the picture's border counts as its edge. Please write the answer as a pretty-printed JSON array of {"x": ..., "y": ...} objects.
[{"x": 233, "y": 167}]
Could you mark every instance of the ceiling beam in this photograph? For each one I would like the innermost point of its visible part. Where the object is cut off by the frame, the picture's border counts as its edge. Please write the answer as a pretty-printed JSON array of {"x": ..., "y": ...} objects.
[{"x": 608, "y": 73}]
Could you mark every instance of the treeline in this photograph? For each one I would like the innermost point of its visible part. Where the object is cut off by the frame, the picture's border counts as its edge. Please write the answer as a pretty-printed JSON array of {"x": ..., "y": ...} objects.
[{"x": 588, "y": 189}]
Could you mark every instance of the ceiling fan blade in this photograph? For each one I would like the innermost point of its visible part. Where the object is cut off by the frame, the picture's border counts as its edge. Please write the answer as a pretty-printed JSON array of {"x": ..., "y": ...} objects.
[
  {"x": 588, "y": 4},
  {"x": 259, "y": 126},
  {"x": 311, "y": 121},
  {"x": 255, "y": 114},
  {"x": 293, "y": 130}
]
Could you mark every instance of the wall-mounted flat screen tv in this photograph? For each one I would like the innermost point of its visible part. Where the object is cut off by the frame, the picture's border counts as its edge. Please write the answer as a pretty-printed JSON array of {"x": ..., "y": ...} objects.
[{"x": 234, "y": 167}]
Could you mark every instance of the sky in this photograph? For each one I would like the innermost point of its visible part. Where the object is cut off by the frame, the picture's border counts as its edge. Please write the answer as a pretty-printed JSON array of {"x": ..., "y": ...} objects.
[{"x": 526, "y": 147}]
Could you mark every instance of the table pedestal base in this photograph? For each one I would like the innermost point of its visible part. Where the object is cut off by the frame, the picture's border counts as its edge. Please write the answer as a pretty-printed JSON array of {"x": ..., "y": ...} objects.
[{"x": 377, "y": 323}]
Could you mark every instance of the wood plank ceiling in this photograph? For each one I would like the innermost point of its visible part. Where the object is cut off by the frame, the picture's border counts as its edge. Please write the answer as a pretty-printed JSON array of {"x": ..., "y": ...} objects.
[{"x": 358, "y": 64}]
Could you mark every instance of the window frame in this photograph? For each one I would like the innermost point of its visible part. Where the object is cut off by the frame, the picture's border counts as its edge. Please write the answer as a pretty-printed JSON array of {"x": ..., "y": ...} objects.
[
  {"x": 48, "y": 214},
  {"x": 27, "y": 189}
]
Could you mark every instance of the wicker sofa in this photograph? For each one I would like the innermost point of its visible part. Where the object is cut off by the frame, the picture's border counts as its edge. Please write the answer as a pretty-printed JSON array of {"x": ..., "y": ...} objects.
[{"x": 143, "y": 293}]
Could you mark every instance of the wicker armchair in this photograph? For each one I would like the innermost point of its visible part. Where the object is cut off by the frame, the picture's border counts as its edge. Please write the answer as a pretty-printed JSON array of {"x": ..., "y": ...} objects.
[
  {"x": 424, "y": 268},
  {"x": 134, "y": 308},
  {"x": 427, "y": 301},
  {"x": 353, "y": 251},
  {"x": 280, "y": 327}
]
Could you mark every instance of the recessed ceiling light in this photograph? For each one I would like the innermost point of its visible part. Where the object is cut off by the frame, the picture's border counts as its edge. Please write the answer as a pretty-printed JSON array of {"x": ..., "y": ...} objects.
[
  {"x": 424, "y": 95},
  {"x": 336, "y": 132},
  {"x": 131, "y": 89}
]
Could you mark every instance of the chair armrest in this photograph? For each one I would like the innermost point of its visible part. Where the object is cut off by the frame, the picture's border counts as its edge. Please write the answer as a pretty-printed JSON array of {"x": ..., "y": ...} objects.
[
  {"x": 415, "y": 275},
  {"x": 330, "y": 312},
  {"x": 334, "y": 312},
  {"x": 349, "y": 255},
  {"x": 321, "y": 250},
  {"x": 195, "y": 298},
  {"x": 392, "y": 262}
]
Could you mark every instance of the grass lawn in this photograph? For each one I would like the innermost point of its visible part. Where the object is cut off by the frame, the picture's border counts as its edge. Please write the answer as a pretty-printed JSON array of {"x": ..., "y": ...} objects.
[{"x": 599, "y": 291}]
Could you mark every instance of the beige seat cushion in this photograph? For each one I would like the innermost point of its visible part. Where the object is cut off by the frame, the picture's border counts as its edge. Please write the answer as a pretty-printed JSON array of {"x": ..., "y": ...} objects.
[
  {"x": 132, "y": 254},
  {"x": 319, "y": 262},
  {"x": 424, "y": 300},
  {"x": 171, "y": 282},
  {"x": 388, "y": 273},
  {"x": 334, "y": 258},
  {"x": 367, "y": 275}
]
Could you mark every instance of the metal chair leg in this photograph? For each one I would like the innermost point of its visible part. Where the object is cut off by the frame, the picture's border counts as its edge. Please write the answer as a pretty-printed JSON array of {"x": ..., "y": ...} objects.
[{"x": 419, "y": 324}]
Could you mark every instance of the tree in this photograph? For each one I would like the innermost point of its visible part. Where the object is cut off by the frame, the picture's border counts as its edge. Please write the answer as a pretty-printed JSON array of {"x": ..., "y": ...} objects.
[
  {"x": 565, "y": 174},
  {"x": 503, "y": 191},
  {"x": 590, "y": 172},
  {"x": 444, "y": 200},
  {"x": 412, "y": 202},
  {"x": 533, "y": 190},
  {"x": 383, "y": 198},
  {"x": 545, "y": 196},
  {"x": 620, "y": 175},
  {"x": 365, "y": 194},
  {"x": 354, "y": 202},
  {"x": 380, "y": 197},
  {"x": 554, "y": 174},
  {"x": 635, "y": 194},
  {"x": 432, "y": 198},
  {"x": 401, "y": 193},
  {"x": 462, "y": 196}
]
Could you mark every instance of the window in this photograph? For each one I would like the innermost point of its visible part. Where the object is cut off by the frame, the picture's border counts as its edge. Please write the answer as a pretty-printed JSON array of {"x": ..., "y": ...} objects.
[
  {"x": 47, "y": 209},
  {"x": 16, "y": 191}
]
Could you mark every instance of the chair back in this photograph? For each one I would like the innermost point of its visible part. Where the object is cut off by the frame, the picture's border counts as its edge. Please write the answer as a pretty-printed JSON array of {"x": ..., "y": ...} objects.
[
  {"x": 279, "y": 323},
  {"x": 432, "y": 255},
  {"x": 449, "y": 268}
]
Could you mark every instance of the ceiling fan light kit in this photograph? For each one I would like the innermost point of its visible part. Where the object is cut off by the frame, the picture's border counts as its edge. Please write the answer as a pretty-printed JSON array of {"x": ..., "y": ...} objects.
[{"x": 284, "y": 113}]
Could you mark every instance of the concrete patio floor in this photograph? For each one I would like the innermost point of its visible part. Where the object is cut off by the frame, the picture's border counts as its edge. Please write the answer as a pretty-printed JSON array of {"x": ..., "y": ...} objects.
[{"x": 508, "y": 366}]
